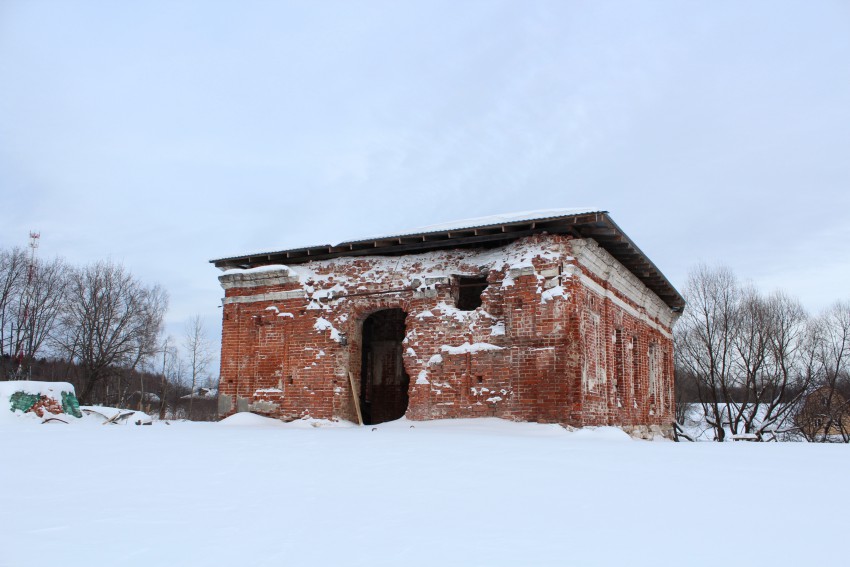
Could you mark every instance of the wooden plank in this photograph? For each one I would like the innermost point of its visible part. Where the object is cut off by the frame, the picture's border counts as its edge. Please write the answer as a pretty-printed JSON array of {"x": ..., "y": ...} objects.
[{"x": 356, "y": 398}]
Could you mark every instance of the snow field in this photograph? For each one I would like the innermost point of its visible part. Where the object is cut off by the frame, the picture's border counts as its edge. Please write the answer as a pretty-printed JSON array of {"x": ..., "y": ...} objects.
[{"x": 463, "y": 492}]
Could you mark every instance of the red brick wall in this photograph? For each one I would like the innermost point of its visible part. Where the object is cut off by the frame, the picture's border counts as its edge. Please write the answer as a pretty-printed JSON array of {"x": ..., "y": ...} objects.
[{"x": 546, "y": 356}]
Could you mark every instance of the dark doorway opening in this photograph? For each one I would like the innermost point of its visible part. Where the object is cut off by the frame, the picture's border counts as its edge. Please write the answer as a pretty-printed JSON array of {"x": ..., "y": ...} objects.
[{"x": 383, "y": 381}]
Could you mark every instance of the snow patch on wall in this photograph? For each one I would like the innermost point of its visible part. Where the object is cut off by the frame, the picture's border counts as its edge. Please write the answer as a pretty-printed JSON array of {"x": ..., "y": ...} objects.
[
  {"x": 422, "y": 378},
  {"x": 453, "y": 312},
  {"x": 323, "y": 324},
  {"x": 469, "y": 348},
  {"x": 550, "y": 294}
]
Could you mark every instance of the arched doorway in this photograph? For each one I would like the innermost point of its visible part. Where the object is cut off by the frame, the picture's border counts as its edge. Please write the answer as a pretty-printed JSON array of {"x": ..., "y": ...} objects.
[{"x": 383, "y": 381}]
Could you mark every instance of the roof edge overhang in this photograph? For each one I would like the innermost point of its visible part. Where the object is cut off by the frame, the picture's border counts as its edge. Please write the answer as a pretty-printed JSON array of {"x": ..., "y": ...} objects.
[{"x": 596, "y": 225}]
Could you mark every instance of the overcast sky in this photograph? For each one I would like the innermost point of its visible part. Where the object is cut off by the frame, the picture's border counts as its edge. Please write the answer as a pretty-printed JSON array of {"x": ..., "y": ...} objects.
[{"x": 164, "y": 134}]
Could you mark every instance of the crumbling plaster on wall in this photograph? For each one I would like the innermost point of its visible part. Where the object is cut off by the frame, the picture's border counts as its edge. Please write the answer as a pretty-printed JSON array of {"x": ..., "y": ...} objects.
[
  {"x": 326, "y": 280},
  {"x": 642, "y": 302}
]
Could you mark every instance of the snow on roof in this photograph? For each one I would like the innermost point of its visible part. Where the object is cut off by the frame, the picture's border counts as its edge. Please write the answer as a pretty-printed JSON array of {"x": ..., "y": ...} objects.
[{"x": 505, "y": 218}]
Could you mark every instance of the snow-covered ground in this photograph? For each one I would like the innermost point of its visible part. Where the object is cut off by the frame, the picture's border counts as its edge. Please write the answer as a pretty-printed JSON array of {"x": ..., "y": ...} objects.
[{"x": 469, "y": 492}]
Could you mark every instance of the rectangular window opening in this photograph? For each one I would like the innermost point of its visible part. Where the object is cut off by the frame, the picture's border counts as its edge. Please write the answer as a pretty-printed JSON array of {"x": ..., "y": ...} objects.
[{"x": 469, "y": 290}]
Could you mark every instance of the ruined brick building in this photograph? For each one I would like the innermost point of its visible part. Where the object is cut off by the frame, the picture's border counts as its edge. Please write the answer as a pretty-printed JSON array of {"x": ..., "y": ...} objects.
[{"x": 552, "y": 317}]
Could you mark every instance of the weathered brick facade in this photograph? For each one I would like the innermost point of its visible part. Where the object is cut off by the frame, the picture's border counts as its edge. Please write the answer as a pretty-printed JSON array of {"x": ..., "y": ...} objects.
[{"x": 563, "y": 333}]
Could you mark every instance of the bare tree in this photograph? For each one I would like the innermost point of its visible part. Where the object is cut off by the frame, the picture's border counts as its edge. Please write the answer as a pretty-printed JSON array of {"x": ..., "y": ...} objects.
[
  {"x": 825, "y": 416},
  {"x": 111, "y": 321},
  {"x": 773, "y": 358},
  {"x": 30, "y": 302},
  {"x": 163, "y": 384},
  {"x": 13, "y": 270},
  {"x": 705, "y": 340},
  {"x": 176, "y": 373},
  {"x": 747, "y": 354},
  {"x": 198, "y": 353},
  {"x": 171, "y": 377},
  {"x": 749, "y": 358},
  {"x": 40, "y": 305}
]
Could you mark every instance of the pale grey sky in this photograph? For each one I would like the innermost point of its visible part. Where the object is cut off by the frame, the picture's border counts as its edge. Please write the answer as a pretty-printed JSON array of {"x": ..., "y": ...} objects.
[{"x": 163, "y": 134}]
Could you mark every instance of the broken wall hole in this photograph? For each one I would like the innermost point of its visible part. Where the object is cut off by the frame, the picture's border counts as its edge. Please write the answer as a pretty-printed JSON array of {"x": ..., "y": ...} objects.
[
  {"x": 469, "y": 290},
  {"x": 383, "y": 379}
]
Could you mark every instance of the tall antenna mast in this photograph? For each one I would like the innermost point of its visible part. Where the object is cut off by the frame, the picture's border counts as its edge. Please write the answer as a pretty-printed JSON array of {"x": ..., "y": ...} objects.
[{"x": 23, "y": 324}]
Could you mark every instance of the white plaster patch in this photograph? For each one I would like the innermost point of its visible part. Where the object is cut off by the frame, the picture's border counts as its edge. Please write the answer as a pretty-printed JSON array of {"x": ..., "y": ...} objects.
[
  {"x": 274, "y": 296},
  {"x": 604, "y": 266}
]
